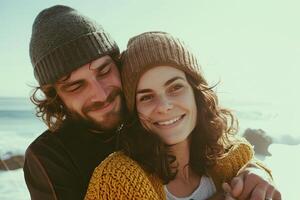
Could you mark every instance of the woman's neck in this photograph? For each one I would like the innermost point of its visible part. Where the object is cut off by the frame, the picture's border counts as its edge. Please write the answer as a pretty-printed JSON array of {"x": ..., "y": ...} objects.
[
  {"x": 186, "y": 181},
  {"x": 182, "y": 153}
]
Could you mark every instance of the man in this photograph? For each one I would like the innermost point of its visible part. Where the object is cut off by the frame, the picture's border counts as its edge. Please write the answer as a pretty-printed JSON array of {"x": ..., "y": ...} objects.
[
  {"x": 76, "y": 64},
  {"x": 74, "y": 61}
]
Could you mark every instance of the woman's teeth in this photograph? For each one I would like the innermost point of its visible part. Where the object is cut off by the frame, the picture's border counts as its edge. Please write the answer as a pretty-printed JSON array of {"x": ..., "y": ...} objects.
[{"x": 169, "y": 122}]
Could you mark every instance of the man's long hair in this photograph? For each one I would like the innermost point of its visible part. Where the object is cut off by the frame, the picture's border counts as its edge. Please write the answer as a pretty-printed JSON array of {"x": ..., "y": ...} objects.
[
  {"x": 208, "y": 140},
  {"x": 49, "y": 106}
]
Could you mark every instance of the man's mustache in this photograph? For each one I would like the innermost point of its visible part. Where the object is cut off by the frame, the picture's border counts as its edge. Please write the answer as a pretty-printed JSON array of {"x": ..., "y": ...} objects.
[{"x": 116, "y": 91}]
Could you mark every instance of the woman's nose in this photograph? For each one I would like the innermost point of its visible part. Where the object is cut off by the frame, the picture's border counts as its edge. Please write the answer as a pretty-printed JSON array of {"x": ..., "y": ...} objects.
[{"x": 164, "y": 104}]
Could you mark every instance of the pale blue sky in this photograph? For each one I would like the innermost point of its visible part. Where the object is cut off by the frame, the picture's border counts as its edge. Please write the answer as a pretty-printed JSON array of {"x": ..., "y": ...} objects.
[{"x": 253, "y": 47}]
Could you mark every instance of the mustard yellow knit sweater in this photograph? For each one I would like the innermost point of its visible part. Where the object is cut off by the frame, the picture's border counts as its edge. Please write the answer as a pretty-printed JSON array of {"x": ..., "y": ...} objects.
[{"x": 119, "y": 177}]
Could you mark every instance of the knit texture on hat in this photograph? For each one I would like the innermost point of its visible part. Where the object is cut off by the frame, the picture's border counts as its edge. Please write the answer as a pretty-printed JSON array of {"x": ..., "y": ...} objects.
[
  {"x": 152, "y": 49},
  {"x": 63, "y": 40}
]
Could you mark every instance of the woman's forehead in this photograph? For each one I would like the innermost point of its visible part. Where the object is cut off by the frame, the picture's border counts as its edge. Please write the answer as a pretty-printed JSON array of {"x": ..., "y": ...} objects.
[{"x": 159, "y": 75}]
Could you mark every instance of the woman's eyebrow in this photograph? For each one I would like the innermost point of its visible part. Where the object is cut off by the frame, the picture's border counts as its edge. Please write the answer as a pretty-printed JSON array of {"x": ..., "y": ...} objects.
[
  {"x": 143, "y": 91},
  {"x": 168, "y": 82}
]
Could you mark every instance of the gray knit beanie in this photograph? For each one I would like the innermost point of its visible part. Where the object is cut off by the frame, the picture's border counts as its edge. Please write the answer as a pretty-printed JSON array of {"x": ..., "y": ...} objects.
[
  {"x": 152, "y": 49},
  {"x": 63, "y": 40}
]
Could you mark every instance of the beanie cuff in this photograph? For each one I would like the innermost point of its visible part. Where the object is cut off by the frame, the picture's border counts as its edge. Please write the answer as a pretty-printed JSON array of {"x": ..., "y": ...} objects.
[
  {"x": 153, "y": 49},
  {"x": 72, "y": 55}
]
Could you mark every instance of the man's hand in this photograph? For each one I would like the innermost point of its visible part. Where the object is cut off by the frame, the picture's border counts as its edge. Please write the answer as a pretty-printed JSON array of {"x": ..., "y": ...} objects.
[{"x": 252, "y": 183}]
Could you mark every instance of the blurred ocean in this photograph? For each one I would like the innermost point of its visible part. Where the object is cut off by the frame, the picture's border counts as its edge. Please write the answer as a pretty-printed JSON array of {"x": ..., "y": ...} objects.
[{"x": 19, "y": 126}]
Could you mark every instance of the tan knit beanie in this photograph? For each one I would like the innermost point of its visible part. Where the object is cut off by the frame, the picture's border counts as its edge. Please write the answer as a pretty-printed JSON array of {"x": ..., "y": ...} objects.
[{"x": 152, "y": 49}]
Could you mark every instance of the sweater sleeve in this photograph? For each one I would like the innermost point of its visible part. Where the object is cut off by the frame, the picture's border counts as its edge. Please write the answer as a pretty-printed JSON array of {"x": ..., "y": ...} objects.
[
  {"x": 119, "y": 177},
  {"x": 239, "y": 156},
  {"x": 229, "y": 165}
]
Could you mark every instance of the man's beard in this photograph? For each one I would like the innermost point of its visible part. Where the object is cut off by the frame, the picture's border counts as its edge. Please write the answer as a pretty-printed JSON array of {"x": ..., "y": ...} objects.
[{"x": 110, "y": 120}]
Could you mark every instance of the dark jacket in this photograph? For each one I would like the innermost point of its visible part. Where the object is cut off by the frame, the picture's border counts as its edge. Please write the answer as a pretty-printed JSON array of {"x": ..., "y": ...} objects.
[{"x": 59, "y": 165}]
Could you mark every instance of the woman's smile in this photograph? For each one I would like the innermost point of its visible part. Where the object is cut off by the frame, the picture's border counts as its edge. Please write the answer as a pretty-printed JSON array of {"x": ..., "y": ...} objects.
[
  {"x": 167, "y": 105},
  {"x": 169, "y": 123}
]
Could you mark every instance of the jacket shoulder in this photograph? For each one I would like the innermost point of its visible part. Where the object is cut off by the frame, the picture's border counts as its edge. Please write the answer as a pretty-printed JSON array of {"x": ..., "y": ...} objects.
[
  {"x": 47, "y": 138},
  {"x": 49, "y": 170},
  {"x": 37, "y": 179}
]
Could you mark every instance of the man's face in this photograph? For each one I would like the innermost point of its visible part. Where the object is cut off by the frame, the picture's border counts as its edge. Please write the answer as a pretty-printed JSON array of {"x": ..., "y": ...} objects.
[{"x": 92, "y": 93}]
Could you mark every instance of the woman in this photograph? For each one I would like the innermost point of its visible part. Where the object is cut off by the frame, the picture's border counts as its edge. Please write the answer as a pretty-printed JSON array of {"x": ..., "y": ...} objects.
[{"x": 181, "y": 138}]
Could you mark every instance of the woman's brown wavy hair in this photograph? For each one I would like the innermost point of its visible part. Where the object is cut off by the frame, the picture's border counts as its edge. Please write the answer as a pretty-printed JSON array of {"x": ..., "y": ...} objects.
[
  {"x": 49, "y": 106},
  {"x": 208, "y": 140}
]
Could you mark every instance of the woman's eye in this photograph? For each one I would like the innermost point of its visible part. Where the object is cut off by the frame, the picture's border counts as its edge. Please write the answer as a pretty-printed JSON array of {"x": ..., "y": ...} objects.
[
  {"x": 145, "y": 98},
  {"x": 176, "y": 88}
]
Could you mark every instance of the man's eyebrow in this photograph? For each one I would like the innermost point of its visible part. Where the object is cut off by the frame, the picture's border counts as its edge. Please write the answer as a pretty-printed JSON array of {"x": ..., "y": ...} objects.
[
  {"x": 102, "y": 65},
  {"x": 66, "y": 82},
  {"x": 65, "y": 85},
  {"x": 168, "y": 82},
  {"x": 64, "y": 79}
]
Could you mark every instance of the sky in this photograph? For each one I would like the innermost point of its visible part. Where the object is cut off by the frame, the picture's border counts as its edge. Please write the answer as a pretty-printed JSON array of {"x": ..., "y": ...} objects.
[{"x": 251, "y": 47}]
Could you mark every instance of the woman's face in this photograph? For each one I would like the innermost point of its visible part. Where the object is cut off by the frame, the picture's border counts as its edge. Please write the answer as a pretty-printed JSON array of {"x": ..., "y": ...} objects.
[{"x": 166, "y": 104}]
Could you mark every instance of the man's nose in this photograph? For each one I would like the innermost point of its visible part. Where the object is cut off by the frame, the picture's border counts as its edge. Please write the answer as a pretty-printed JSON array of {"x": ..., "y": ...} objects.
[
  {"x": 98, "y": 92},
  {"x": 164, "y": 105}
]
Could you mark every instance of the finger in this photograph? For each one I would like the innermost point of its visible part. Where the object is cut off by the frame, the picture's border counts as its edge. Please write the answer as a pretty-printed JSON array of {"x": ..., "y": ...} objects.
[
  {"x": 270, "y": 191},
  {"x": 237, "y": 184},
  {"x": 227, "y": 191},
  {"x": 226, "y": 187},
  {"x": 259, "y": 192},
  {"x": 250, "y": 183},
  {"x": 276, "y": 195}
]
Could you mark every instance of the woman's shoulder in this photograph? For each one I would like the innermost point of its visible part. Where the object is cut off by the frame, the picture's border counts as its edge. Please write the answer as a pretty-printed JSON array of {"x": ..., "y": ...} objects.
[
  {"x": 120, "y": 177},
  {"x": 116, "y": 163},
  {"x": 116, "y": 157}
]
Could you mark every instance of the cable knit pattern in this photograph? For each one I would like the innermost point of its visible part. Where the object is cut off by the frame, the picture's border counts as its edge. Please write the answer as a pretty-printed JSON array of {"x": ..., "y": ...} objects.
[
  {"x": 119, "y": 177},
  {"x": 229, "y": 165}
]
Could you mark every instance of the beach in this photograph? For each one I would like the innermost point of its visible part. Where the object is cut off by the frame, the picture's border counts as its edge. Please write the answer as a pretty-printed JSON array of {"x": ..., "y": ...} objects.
[{"x": 19, "y": 127}]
